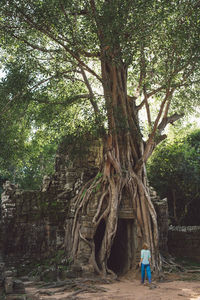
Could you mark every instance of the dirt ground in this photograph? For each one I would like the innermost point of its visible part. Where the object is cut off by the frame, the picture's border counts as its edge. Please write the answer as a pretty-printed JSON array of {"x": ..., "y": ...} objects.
[
  {"x": 132, "y": 290},
  {"x": 174, "y": 287}
]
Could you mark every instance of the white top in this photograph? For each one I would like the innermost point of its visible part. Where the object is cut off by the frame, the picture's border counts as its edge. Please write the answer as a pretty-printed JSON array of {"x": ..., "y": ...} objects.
[{"x": 145, "y": 255}]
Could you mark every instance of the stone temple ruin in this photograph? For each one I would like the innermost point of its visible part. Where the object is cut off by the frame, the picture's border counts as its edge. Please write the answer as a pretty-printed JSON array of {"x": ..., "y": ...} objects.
[{"x": 34, "y": 223}]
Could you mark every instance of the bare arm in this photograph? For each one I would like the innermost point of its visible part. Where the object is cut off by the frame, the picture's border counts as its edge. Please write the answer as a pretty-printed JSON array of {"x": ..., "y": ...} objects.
[{"x": 140, "y": 262}]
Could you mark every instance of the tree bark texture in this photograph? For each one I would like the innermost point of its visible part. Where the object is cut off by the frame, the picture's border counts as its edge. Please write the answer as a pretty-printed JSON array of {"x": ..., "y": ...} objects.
[{"x": 123, "y": 148}]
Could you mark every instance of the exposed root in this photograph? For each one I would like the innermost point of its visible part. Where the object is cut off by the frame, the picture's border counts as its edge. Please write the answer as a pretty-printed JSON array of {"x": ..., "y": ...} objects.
[
  {"x": 103, "y": 216},
  {"x": 112, "y": 183},
  {"x": 82, "y": 199},
  {"x": 169, "y": 265},
  {"x": 75, "y": 286},
  {"x": 99, "y": 206},
  {"x": 144, "y": 207}
]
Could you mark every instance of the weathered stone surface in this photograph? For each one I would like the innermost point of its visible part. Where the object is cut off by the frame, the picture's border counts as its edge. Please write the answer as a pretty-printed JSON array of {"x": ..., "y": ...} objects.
[
  {"x": 50, "y": 274},
  {"x": 8, "y": 285},
  {"x": 18, "y": 286},
  {"x": 34, "y": 223},
  {"x": 30, "y": 223},
  {"x": 8, "y": 273},
  {"x": 161, "y": 207},
  {"x": 13, "y": 286},
  {"x": 184, "y": 241},
  {"x": 2, "y": 274}
]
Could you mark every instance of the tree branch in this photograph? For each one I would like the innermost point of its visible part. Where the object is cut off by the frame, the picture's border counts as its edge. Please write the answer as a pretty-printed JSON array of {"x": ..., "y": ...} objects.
[
  {"x": 150, "y": 144},
  {"x": 168, "y": 104},
  {"x": 139, "y": 84},
  {"x": 167, "y": 95},
  {"x": 21, "y": 94},
  {"x": 33, "y": 46},
  {"x": 143, "y": 77},
  {"x": 165, "y": 121},
  {"x": 48, "y": 33},
  {"x": 94, "y": 11},
  {"x": 147, "y": 106},
  {"x": 153, "y": 92},
  {"x": 11, "y": 100},
  {"x": 140, "y": 106},
  {"x": 68, "y": 100},
  {"x": 63, "y": 9},
  {"x": 88, "y": 54},
  {"x": 94, "y": 104}
]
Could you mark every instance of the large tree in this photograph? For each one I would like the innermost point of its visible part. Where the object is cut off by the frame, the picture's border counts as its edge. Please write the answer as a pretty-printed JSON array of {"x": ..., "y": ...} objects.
[{"x": 125, "y": 57}]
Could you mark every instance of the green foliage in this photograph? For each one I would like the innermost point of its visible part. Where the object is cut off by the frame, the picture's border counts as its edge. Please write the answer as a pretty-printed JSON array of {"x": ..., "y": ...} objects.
[
  {"x": 174, "y": 171},
  {"x": 30, "y": 131},
  {"x": 46, "y": 46}
]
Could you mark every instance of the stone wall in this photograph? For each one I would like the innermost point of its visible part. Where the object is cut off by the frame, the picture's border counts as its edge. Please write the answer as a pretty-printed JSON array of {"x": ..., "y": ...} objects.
[
  {"x": 34, "y": 223},
  {"x": 184, "y": 241},
  {"x": 31, "y": 224},
  {"x": 161, "y": 207}
]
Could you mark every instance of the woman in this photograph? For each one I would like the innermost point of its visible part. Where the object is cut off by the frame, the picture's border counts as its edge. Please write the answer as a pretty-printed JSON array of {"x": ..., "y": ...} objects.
[{"x": 145, "y": 263}]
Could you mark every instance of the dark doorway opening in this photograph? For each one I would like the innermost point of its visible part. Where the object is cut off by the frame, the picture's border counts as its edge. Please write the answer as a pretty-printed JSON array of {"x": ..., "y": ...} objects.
[
  {"x": 122, "y": 251},
  {"x": 98, "y": 237}
]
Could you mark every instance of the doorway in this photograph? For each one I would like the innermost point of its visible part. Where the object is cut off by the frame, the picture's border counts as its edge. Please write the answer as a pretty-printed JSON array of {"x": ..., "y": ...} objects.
[{"x": 122, "y": 251}]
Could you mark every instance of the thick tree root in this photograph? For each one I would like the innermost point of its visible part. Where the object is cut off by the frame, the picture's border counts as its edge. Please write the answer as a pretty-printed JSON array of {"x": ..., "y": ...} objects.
[
  {"x": 76, "y": 286},
  {"x": 113, "y": 184},
  {"x": 169, "y": 265}
]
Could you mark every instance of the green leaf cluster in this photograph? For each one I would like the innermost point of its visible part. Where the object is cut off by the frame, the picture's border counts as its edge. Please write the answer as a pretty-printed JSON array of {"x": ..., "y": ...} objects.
[{"x": 174, "y": 171}]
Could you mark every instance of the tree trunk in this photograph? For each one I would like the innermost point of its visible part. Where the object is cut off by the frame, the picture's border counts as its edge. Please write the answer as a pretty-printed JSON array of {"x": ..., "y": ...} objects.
[{"x": 123, "y": 148}]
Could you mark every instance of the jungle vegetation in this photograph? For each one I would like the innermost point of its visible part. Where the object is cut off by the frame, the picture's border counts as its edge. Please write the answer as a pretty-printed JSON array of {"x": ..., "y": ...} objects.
[{"x": 100, "y": 66}]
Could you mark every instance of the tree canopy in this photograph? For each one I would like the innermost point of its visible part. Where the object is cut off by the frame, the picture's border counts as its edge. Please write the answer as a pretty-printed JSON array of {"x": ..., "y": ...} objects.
[{"x": 55, "y": 47}]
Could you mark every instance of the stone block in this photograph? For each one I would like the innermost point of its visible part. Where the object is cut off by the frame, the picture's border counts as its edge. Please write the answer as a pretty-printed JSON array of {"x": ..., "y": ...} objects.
[
  {"x": 184, "y": 241},
  {"x": 18, "y": 287},
  {"x": 8, "y": 285},
  {"x": 5, "y": 198},
  {"x": 8, "y": 273},
  {"x": 87, "y": 232}
]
